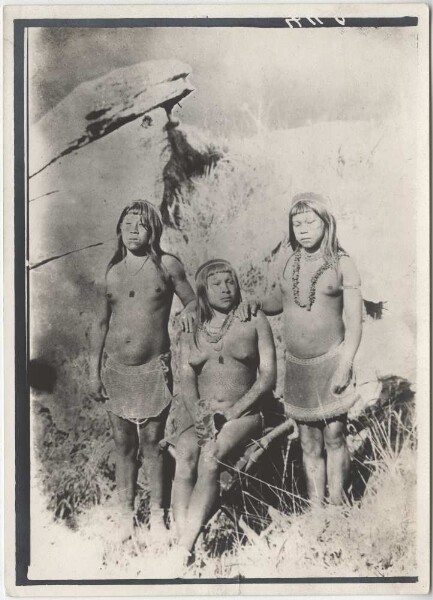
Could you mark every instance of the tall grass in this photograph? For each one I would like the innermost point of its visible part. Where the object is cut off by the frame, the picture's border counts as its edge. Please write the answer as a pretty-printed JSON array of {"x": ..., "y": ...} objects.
[
  {"x": 76, "y": 467},
  {"x": 373, "y": 534}
]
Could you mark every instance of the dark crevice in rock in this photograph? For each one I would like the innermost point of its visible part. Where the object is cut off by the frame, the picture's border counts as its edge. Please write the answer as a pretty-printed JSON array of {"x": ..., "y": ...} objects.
[
  {"x": 126, "y": 112},
  {"x": 178, "y": 76},
  {"x": 95, "y": 114},
  {"x": 185, "y": 163},
  {"x": 51, "y": 258}
]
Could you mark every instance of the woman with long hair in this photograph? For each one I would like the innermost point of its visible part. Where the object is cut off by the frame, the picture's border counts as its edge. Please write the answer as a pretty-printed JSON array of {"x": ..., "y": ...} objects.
[
  {"x": 150, "y": 219},
  {"x": 317, "y": 288},
  {"x": 228, "y": 370},
  {"x": 130, "y": 362}
]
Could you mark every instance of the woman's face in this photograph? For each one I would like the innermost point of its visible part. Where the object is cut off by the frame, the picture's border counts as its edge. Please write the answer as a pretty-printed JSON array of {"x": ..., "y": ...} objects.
[
  {"x": 221, "y": 291},
  {"x": 309, "y": 229},
  {"x": 135, "y": 233}
]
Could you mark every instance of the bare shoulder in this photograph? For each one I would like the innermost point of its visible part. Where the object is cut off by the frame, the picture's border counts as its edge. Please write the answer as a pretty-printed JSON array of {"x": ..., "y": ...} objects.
[
  {"x": 286, "y": 258},
  {"x": 173, "y": 265},
  {"x": 189, "y": 353},
  {"x": 258, "y": 322},
  {"x": 349, "y": 271}
]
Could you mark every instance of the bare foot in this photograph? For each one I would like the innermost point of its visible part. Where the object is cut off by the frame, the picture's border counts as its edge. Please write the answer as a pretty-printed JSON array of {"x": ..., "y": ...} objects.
[
  {"x": 180, "y": 561},
  {"x": 157, "y": 528},
  {"x": 124, "y": 526}
]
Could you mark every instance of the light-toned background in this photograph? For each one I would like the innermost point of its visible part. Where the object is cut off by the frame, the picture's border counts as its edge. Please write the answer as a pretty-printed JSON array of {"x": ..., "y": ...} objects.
[
  {"x": 361, "y": 144},
  {"x": 327, "y": 110}
]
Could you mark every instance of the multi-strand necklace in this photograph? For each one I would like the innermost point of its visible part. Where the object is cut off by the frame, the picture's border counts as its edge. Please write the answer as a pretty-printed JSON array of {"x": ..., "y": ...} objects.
[
  {"x": 214, "y": 335},
  {"x": 132, "y": 292},
  {"x": 313, "y": 282}
]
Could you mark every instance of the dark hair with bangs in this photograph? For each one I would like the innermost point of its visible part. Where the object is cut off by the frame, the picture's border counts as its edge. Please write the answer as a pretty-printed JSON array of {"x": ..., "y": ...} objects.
[
  {"x": 309, "y": 201},
  {"x": 204, "y": 310},
  {"x": 150, "y": 217}
]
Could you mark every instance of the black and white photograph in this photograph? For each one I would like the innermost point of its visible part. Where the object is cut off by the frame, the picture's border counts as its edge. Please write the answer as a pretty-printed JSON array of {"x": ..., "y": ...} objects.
[{"x": 219, "y": 299}]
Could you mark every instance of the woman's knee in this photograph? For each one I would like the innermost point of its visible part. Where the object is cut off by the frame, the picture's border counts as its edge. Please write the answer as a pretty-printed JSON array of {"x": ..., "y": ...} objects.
[
  {"x": 149, "y": 450},
  {"x": 210, "y": 461},
  {"x": 124, "y": 435},
  {"x": 312, "y": 448},
  {"x": 126, "y": 446},
  {"x": 186, "y": 465},
  {"x": 185, "y": 468},
  {"x": 334, "y": 440},
  {"x": 150, "y": 436},
  {"x": 126, "y": 442},
  {"x": 312, "y": 443}
]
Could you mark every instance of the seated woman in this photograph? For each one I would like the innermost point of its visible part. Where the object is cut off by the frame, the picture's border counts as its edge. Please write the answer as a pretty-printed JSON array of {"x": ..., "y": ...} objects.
[{"x": 227, "y": 370}]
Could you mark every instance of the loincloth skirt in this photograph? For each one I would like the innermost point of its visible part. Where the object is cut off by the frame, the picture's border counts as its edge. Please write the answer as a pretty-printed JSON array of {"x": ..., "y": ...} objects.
[
  {"x": 137, "y": 392},
  {"x": 201, "y": 417},
  {"x": 178, "y": 421},
  {"x": 308, "y": 391}
]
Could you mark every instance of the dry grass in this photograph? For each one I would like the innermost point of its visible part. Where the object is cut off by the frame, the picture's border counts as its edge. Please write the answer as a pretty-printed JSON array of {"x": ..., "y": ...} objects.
[
  {"x": 373, "y": 535},
  {"x": 76, "y": 469}
]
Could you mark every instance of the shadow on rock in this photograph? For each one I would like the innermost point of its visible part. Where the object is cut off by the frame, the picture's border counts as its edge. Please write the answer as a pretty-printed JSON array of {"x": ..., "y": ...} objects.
[{"x": 185, "y": 163}]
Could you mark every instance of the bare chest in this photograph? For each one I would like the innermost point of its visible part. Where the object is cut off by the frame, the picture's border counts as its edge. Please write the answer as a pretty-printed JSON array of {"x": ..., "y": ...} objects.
[
  {"x": 306, "y": 283},
  {"x": 144, "y": 287},
  {"x": 239, "y": 344}
]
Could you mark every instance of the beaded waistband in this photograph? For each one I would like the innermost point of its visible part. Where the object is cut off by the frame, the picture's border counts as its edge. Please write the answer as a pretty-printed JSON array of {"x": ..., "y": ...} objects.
[
  {"x": 315, "y": 359},
  {"x": 160, "y": 363}
]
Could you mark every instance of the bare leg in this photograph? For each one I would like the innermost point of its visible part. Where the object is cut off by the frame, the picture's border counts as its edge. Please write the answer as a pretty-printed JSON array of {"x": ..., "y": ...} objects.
[
  {"x": 187, "y": 455},
  {"x": 126, "y": 443},
  {"x": 313, "y": 461},
  {"x": 150, "y": 435},
  {"x": 338, "y": 460},
  {"x": 233, "y": 436}
]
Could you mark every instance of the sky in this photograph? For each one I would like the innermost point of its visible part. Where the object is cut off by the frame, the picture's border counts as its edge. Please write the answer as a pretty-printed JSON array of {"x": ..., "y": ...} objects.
[{"x": 289, "y": 77}]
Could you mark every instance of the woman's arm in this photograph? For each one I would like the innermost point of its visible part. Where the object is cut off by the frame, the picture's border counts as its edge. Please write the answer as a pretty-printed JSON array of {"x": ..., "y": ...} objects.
[
  {"x": 352, "y": 310},
  {"x": 267, "y": 377},
  {"x": 352, "y": 307},
  {"x": 182, "y": 287},
  {"x": 183, "y": 291},
  {"x": 98, "y": 333},
  {"x": 188, "y": 377},
  {"x": 271, "y": 304}
]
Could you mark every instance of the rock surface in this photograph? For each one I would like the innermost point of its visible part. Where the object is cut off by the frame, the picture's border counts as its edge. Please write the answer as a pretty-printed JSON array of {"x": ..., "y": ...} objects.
[{"x": 96, "y": 108}]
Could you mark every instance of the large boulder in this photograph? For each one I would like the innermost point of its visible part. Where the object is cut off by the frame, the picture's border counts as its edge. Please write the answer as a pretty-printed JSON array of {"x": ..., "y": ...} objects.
[{"x": 98, "y": 107}]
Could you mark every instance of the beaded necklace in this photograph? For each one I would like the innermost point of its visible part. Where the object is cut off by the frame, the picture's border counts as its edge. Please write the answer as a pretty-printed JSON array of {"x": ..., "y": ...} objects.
[
  {"x": 215, "y": 337},
  {"x": 295, "y": 278}
]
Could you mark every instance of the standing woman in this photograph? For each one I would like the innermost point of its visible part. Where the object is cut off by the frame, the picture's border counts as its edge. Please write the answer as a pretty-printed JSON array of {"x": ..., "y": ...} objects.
[
  {"x": 228, "y": 369},
  {"x": 317, "y": 289},
  {"x": 130, "y": 362}
]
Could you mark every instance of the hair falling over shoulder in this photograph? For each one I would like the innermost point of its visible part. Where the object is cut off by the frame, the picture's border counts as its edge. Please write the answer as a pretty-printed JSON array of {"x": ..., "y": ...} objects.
[
  {"x": 149, "y": 216},
  {"x": 204, "y": 309}
]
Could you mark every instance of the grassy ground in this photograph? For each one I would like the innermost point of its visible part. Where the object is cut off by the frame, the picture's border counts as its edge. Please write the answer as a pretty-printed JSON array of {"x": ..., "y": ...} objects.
[{"x": 373, "y": 535}]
